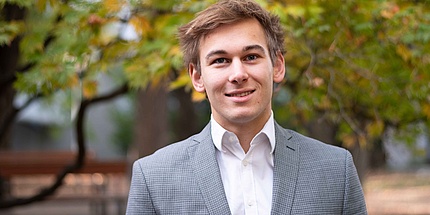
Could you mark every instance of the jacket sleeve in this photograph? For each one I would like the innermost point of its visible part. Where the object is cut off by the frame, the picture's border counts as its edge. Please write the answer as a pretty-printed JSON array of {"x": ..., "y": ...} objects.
[
  {"x": 139, "y": 199},
  {"x": 354, "y": 202}
]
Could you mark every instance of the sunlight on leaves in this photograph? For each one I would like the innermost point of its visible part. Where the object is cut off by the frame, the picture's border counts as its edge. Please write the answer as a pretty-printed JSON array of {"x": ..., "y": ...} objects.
[{"x": 89, "y": 88}]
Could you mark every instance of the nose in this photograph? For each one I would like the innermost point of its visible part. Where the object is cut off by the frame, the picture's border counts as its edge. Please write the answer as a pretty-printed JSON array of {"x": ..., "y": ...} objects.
[{"x": 238, "y": 73}]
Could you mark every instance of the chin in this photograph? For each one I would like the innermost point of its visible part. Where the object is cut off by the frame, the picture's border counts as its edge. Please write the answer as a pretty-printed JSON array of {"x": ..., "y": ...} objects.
[{"x": 242, "y": 117}]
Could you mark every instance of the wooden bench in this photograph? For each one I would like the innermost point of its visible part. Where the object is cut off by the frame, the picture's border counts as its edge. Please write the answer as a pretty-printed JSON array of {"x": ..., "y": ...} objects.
[
  {"x": 14, "y": 163},
  {"x": 32, "y": 163}
]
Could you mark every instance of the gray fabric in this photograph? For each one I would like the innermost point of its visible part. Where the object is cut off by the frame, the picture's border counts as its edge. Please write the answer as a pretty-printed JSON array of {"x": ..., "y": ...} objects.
[{"x": 310, "y": 177}]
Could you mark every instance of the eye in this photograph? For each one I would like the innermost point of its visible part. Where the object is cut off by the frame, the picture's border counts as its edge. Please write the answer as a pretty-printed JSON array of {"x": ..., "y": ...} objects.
[
  {"x": 251, "y": 57},
  {"x": 220, "y": 61}
]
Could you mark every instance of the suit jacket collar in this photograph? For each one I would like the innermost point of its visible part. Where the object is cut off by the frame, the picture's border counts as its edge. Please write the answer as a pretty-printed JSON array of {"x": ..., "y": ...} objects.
[
  {"x": 285, "y": 172},
  {"x": 206, "y": 171},
  {"x": 208, "y": 176}
]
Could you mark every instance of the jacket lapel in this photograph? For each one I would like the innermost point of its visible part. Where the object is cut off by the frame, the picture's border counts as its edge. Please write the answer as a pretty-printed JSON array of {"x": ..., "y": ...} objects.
[
  {"x": 207, "y": 174},
  {"x": 285, "y": 171}
]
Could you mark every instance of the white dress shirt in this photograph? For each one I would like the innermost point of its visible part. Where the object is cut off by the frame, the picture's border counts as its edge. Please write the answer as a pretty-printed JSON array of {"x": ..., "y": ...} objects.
[{"x": 247, "y": 177}]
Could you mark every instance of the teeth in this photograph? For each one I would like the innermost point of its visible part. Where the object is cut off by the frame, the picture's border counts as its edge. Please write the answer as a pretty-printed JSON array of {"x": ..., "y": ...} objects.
[{"x": 241, "y": 94}]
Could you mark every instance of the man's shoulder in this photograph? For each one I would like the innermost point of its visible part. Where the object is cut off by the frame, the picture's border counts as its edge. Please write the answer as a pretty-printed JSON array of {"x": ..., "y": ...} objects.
[
  {"x": 314, "y": 154},
  {"x": 175, "y": 158},
  {"x": 172, "y": 152},
  {"x": 313, "y": 147}
]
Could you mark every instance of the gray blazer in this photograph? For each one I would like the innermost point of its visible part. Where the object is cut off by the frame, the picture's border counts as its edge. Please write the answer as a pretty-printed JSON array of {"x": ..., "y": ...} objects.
[{"x": 310, "y": 177}]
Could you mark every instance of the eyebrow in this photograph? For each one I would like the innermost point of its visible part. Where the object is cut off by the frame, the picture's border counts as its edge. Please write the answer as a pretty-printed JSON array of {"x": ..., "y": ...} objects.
[
  {"x": 252, "y": 47},
  {"x": 245, "y": 49}
]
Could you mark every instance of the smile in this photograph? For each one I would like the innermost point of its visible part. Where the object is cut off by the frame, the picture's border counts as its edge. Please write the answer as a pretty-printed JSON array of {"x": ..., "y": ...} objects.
[{"x": 240, "y": 94}]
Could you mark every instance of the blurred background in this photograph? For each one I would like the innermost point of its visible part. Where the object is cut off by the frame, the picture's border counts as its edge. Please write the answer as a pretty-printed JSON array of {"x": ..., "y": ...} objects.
[{"x": 89, "y": 86}]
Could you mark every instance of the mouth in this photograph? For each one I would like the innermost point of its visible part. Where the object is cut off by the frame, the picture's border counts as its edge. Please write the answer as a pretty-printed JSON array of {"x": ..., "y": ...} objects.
[{"x": 242, "y": 94}]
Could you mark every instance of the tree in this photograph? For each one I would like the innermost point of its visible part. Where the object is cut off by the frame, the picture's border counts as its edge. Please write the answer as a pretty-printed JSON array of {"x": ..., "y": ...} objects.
[
  {"x": 8, "y": 65},
  {"x": 358, "y": 66},
  {"x": 63, "y": 46}
]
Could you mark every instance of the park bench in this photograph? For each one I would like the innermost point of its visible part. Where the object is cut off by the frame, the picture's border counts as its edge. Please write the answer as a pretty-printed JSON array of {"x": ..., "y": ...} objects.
[
  {"x": 39, "y": 163},
  {"x": 14, "y": 163}
]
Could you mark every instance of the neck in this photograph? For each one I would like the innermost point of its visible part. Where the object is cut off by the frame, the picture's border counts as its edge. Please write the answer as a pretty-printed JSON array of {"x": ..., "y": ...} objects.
[
  {"x": 245, "y": 136},
  {"x": 245, "y": 132}
]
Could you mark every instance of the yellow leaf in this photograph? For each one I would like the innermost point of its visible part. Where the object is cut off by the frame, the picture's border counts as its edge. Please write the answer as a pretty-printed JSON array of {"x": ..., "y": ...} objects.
[
  {"x": 41, "y": 5},
  {"x": 89, "y": 88},
  {"x": 198, "y": 97},
  {"x": 157, "y": 80},
  {"x": 73, "y": 81},
  {"x": 387, "y": 14},
  {"x": 375, "y": 129},
  {"x": 390, "y": 10},
  {"x": 175, "y": 50},
  {"x": 295, "y": 11},
  {"x": 426, "y": 110},
  {"x": 404, "y": 52},
  {"x": 348, "y": 140},
  {"x": 113, "y": 5},
  {"x": 362, "y": 141},
  {"x": 141, "y": 25},
  {"x": 181, "y": 81}
]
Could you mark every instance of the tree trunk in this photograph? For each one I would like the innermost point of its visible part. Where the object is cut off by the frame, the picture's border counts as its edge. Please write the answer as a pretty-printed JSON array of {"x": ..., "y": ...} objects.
[
  {"x": 9, "y": 55},
  {"x": 361, "y": 158},
  {"x": 151, "y": 123},
  {"x": 324, "y": 131},
  {"x": 185, "y": 121}
]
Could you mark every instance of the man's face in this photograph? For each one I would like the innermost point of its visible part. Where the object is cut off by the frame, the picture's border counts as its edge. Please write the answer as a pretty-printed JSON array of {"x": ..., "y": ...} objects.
[{"x": 237, "y": 74}]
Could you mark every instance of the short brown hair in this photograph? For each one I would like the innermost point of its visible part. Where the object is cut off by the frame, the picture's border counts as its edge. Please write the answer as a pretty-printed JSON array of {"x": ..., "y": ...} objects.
[{"x": 227, "y": 12}]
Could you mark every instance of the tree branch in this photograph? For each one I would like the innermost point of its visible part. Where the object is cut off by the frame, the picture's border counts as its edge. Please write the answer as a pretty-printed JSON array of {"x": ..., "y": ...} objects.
[
  {"x": 11, "y": 116},
  {"x": 80, "y": 157}
]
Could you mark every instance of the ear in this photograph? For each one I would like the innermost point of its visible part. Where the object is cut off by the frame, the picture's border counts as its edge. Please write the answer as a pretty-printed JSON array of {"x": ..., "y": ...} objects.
[
  {"x": 279, "y": 68},
  {"x": 196, "y": 78}
]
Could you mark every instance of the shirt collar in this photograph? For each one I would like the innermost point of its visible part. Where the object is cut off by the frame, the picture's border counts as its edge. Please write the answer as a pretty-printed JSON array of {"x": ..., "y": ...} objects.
[{"x": 217, "y": 132}]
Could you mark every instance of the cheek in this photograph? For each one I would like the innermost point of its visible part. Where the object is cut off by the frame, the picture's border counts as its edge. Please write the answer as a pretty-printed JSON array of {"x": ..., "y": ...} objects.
[
  {"x": 213, "y": 82},
  {"x": 213, "y": 88},
  {"x": 266, "y": 79}
]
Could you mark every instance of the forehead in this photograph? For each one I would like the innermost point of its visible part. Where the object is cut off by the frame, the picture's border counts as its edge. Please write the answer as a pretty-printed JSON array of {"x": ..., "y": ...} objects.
[{"x": 234, "y": 36}]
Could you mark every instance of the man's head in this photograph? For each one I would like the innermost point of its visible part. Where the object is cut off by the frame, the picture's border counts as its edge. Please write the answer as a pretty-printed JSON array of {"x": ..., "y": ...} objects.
[
  {"x": 234, "y": 53},
  {"x": 228, "y": 12}
]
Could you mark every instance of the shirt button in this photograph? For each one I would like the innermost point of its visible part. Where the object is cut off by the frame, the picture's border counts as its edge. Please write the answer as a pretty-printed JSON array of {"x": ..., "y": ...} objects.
[
  {"x": 250, "y": 203},
  {"x": 245, "y": 163}
]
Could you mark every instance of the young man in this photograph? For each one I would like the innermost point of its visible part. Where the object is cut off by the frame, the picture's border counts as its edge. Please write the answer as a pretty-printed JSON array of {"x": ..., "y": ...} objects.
[{"x": 242, "y": 162}]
